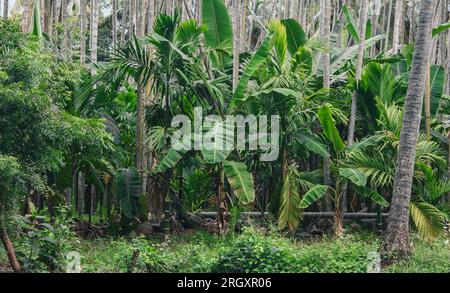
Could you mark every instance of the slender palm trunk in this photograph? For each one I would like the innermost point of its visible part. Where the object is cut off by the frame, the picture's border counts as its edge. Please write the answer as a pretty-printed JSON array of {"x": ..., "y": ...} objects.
[
  {"x": 412, "y": 20},
  {"x": 237, "y": 30},
  {"x": 221, "y": 204},
  {"x": 123, "y": 21},
  {"x": 398, "y": 22},
  {"x": 5, "y": 9},
  {"x": 10, "y": 251},
  {"x": 94, "y": 33},
  {"x": 141, "y": 155},
  {"x": 359, "y": 65},
  {"x": 24, "y": 21},
  {"x": 80, "y": 195},
  {"x": 388, "y": 24},
  {"x": 427, "y": 98},
  {"x": 132, "y": 14},
  {"x": 83, "y": 20},
  {"x": 64, "y": 50},
  {"x": 431, "y": 59},
  {"x": 397, "y": 232},
  {"x": 326, "y": 11},
  {"x": 114, "y": 23}
]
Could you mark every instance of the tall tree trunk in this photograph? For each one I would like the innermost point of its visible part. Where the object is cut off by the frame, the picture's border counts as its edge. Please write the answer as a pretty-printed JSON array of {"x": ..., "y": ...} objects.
[
  {"x": 64, "y": 16},
  {"x": 123, "y": 21},
  {"x": 132, "y": 14},
  {"x": 442, "y": 37},
  {"x": 81, "y": 192},
  {"x": 10, "y": 251},
  {"x": 398, "y": 23},
  {"x": 140, "y": 132},
  {"x": 447, "y": 70},
  {"x": 325, "y": 31},
  {"x": 50, "y": 17},
  {"x": 92, "y": 202},
  {"x": 243, "y": 26},
  {"x": 431, "y": 59},
  {"x": 412, "y": 20},
  {"x": 114, "y": 23},
  {"x": 397, "y": 233},
  {"x": 237, "y": 47},
  {"x": 83, "y": 21},
  {"x": 24, "y": 22},
  {"x": 359, "y": 66},
  {"x": 221, "y": 204},
  {"x": 375, "y": 15},
  {"x": 94, "y": 34},
  {"x": 389, "y": 24},
  {"x": 427, "y": 98},
  {"x": 5, "y": 9}
]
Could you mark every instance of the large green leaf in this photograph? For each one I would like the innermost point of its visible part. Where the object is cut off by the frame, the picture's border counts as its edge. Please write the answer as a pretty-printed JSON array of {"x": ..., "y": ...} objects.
[
  {"x": 372, "y": 195},
  {"x": 128, "y": 191},
  {"x": 241, "y": 181},
  {"x": 364, "y": 143},
  {"x": 350, "y": 23},
  {"x": 257, "y": 60},
  {"x": 329, "y": 127},
  {"x": 312, "y": 144},
  {"x": 352, "y": 26},
  {"x": 289, "y": 213},
  {"x": 36, "y": 29},
  {"x": 354, "y": 175},
  {"x": 313, "y": 195},
  {"x": 348, "y": 54},
  {"x": 296, "y": 36},
  {"x": 437, "y": 82},
  {"x": 219, "y": 32},
  {"x": 218, "y": 142},
  {"x": 441, "y": 28},
  {"x": 282, "y": 91},
  {"x": 170, "y": 160}
]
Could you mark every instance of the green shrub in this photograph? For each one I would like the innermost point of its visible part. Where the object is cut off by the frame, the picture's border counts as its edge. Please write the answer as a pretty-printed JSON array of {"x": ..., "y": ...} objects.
[
  {"x": 254, "y": 252},
  {"x": 338, "y": 256},
  {"x": 44, "y": 247}
]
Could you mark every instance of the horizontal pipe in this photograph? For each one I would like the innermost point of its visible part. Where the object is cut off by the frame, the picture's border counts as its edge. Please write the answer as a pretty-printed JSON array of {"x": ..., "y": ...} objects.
[{"x": 328, "y": 215}]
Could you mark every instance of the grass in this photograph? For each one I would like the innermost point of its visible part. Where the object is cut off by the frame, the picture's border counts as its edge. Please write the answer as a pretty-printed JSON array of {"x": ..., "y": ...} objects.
[{"x": 253, "y": 251}]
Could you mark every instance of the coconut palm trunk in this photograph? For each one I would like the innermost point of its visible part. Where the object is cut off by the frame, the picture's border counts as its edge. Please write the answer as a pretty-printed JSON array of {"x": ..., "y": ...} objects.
[
  {"x": 397, "y": 233},
  {"x": 5, "y": 9}
]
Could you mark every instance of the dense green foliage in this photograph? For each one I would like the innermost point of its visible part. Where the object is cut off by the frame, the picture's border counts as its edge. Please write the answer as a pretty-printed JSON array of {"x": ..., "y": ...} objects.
[{"x": 92, "y": 144}]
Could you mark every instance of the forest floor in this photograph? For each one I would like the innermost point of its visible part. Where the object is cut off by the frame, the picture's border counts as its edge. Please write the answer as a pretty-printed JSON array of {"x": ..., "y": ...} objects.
[{"x": 247, "y": 252}]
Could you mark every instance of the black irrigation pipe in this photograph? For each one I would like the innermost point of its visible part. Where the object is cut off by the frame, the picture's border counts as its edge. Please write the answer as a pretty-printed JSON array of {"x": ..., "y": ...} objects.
[{"x": 306, "y": 215}]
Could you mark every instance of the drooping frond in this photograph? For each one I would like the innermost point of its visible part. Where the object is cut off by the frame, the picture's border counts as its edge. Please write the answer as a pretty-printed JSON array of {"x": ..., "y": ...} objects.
[
  {"x": 428, "y": 219},
  {"x": 290, "y": 212}
]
